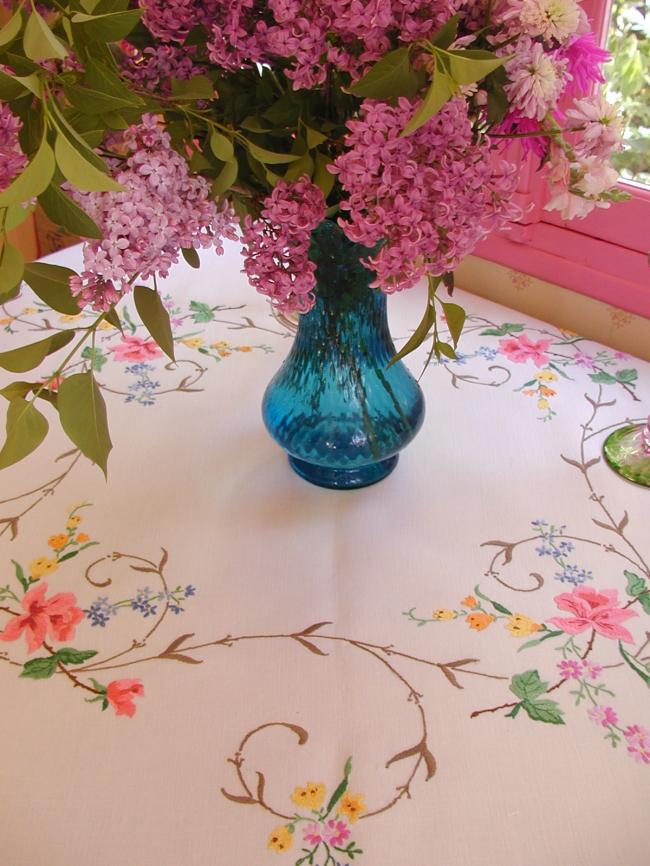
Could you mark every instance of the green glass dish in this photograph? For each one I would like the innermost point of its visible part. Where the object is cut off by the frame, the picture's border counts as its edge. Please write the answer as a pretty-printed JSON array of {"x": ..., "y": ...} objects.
[{"x": 627, "y": 451}]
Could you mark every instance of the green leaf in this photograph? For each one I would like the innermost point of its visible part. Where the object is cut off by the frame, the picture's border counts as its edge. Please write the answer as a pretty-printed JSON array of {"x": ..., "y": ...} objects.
[
  {"x": 502, "y": 331},
  {"x": 338, "y": 793},
  {"x": 226, "y": 177},
  {"x": 20, "y": 575},
  {"x": 92, "y": 102},
  {"x": 11, "y": 268},
  {"x": 198, "y": 87},
  {"x": 191, "y": 257},
  {"x": 100, "y": 688},
  {"x": 443, "y": 348},
  {"x": 544, "y": 711},
  {"x": 12, "y": 28},
  {"x": 455, "y": 316},
  {"x": 68, "y": 655},
  {"x": 634, "y": 664},
  {"x": 63, "y": 211},
  {"x": 221, "y": 146},
  {"x": 303, "y": 166},
  {"x": 389, "y": 77},
  {"x": 68, "y": 555},
  {"x": 39, "y": 43},
  {"x": 627, "y": 376},
  {"x": 99, "y": 77},
  {"x": 635, "y": 584},
  {"x": 83, "y": 417},
  {"x": 17, "y": 214},
  {"x": 602, "y": 378},
  {"x": 501, "y": 609},
  {"x": 268, "y": 157},
  {"x": 39, "y": 669},
  {"x": 528, "y": 685},
  {"x": 441, "y": 90},
  {"x": 30, "y": 356},
  {"x": 52, "y": 285},
  {"x": 96, "y": 357},
  {"x": 18, "y": 389},
  {"x": 314, "y": 137},
  {"x": 468, "y": 65},
  {"x": 26, "y": 429},
  {"x": 201, "y": 312},
  {"x": 81, "y": 173},
  {"x": 107, "y": 28},
  {"x": 155, "y": 318},
  {"x": 445, "y": 35},
  {"x": 537, "y": 640},
  {"x": 33, "y": 180},
  {"x": 323, "y": 178},
  {"x": 422, "y": 331}
]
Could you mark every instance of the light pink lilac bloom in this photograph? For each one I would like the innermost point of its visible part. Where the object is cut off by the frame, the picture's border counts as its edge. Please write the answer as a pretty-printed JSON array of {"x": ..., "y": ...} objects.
[
  {"x": 154, "y": 67},
  {"x": 638, "y": 743},
  {"x": 593, "y": 609},
  {"x": 172, "y": 20},
  {"x": 536, "y": 79},
  {"x": 604, "y": 716},
  {"x": 591, "y": 670},
  {"x": 521, "y": 349},
  {"x": 336, "y": 832},
  {"x": 570, "y": 669},
  {"x": 276, "y": 246},
  {"x": 161, "y": 210},
  {"x": 430, "y": 196},
  {"x": 12, "y": 159}
]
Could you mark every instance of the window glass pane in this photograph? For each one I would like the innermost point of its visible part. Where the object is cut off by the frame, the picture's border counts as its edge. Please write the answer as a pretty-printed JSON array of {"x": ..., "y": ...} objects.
[{"x": 629, "y": 84}]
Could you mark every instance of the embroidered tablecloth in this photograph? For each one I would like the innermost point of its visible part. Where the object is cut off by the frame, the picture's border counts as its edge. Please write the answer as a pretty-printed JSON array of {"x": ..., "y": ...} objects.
[{"x": 230, "y": 667}]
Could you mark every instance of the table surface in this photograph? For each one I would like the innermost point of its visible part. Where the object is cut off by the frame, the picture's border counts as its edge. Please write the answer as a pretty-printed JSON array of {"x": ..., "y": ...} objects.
[{"x": 463, "y": 646}]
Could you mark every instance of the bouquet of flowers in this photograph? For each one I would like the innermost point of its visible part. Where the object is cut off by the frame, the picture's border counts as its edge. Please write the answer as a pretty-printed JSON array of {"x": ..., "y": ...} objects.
[{"x": 151, "y": 129}]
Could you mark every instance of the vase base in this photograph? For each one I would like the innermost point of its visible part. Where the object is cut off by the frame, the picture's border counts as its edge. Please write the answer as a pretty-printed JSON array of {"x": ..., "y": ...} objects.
[{"x": 343, "y": 479}]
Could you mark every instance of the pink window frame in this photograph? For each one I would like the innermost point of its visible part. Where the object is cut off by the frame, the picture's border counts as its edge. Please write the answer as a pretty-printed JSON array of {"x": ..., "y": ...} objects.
[{"x": 604, "y": 256}]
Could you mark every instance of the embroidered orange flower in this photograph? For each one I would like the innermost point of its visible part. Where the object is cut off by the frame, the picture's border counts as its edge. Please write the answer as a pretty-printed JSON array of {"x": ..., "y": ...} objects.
[
  {"x": 244, "y": 348},
  {"x": 309, "y": 797},
  {"x": 223, "y": 354},
  {"x": 520, "y": 625},
  {"x": 56, "y": 542},
  {"x": 469, "y": 601},
  {"x": 546, "y": 391},
  {"x": 529, "y": 392},
  {"x": 352, "y": 805},
  {"x": 479, "y": 620},
  {"x": 280, "y": 839},
  {"x": 6, "y": 320},
  {"x": 82, "y": 537}
]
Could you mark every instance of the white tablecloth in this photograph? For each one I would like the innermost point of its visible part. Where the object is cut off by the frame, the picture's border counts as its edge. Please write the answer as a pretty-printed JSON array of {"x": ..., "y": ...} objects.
[{"x": 266, "y": 631}]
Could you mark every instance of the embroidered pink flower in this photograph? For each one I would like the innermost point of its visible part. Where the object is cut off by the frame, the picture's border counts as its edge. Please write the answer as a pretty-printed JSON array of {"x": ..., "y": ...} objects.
[
  {"x": 638, "y": 743},
  {"x": 521, "y": 349},
  {"x": 591, "y": 670},
  {"x": 570, "y": 669},
  {"x": 135, "y": 349},
  {"x": 336, "y": 832},
  {"x": 120, "y": 694},
  {"x": 593, "y": 609},
  {"x": 604, "y": 716},
  {"x": 56, "y": 616},
  {"x": 312, "y": 834}
]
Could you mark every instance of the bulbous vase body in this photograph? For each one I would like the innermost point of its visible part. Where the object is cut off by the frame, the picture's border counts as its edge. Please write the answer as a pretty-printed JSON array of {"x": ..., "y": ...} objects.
[{"x": 336, "y": 406}]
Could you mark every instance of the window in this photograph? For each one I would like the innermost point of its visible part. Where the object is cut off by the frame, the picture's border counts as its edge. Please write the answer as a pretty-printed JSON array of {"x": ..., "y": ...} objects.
[{"x": 605, "y": 255}]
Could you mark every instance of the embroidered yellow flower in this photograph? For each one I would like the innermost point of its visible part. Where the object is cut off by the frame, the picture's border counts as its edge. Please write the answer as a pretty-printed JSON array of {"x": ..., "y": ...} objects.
[
  {"x": 56, "y": 542},
  {"x": 444, "y": 613},
  {"x": 82, "y": 537},
  {"x": 193, "y": 342},
  {"x": 546, "y": 376},
  {"x": 29, "y": 311},
  {"x": 309, "y": 797},
  {"x": 70, "y": 317},
  {"x": 479, "y": 621},
  {"x": 543, "y": 404},
  {"x": 352, "y": 805},
  {"x": 520, "y": 625},
  {"x": 280, "y": 839},
  {"x": 105, "y": 326},
  {"x": 220, "y": 344},
  {"x": 41, "y": 566},
  {"x": 6, "y": 320},
  {"x": 74, "y": 521},
  {"x": 469, "y": 601}
]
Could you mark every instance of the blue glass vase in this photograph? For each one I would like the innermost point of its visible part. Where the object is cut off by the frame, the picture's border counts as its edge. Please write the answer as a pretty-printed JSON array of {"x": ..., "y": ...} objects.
[{"x": 336, "y": 406}]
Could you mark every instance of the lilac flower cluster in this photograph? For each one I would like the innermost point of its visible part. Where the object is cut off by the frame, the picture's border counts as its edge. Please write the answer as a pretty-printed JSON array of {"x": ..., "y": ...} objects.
[
  {"x": 160, "y": 210},
  {"x": 276, "y": 246},
  {"x": 12, "y": 160},
  {"x": 431, "y": 195},
  {"x": 155, "y": 67}
]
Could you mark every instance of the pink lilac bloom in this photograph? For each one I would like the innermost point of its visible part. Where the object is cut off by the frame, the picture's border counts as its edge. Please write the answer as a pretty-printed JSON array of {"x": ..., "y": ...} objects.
[
  {"x": 521, "y": 349},
  {"x": 336, "y": 832},
  {"x": 585, "y": 59},
  {"x": 313, "y": 834},
  {"x": 133, "y": 348},
  {"x": 570, "y": 669},
  {"x": 638, "y": 743},
  {"x": 172, "y": 20},
  {"x": 593, "y": 609},
  {"x": 604, "y": 716},
  {"x": 150, "y": 68},
  {"x": 12, "y": 160},
  {"x": 429, "y": 196},
  {"x": 591, "y": 670},
  {"x": 276, "y": 246},
  {"x": 160, "y": 210}
]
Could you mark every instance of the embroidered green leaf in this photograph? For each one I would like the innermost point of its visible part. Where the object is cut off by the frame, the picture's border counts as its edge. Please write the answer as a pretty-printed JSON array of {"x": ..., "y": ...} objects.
[
  {"x": 39, "y": 669},
  {"x": 537, "y": 640},
  {"x": 52, "y": 285},
  {"x": 635, "y": 584},
  {"x": 627, "y": 376},
  {"x": 528, "y": 685},
  {"x": 201, "y": 312},
  {"x": 33, "y": 180},
  {"x": 544, "y": 711},
  {"x": 495, "y": 604},
  {"x": 100, "y": 688},
  {"x": 155, "y": 318},
  {"x": 603, "y": 378},
  {"x": 390, "y": 77},
  {"x": 83, "y": 417},
  {"x": 30, "y": 356},
  {"x": 20, "y": 575},
  {"x": 503, "y": 330},
  {"x": 341, "y": 788},
  {"x": 96, "y": 357},
  {"x": 636, "y": 666},
  {"x": 70, "y": 656}
]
